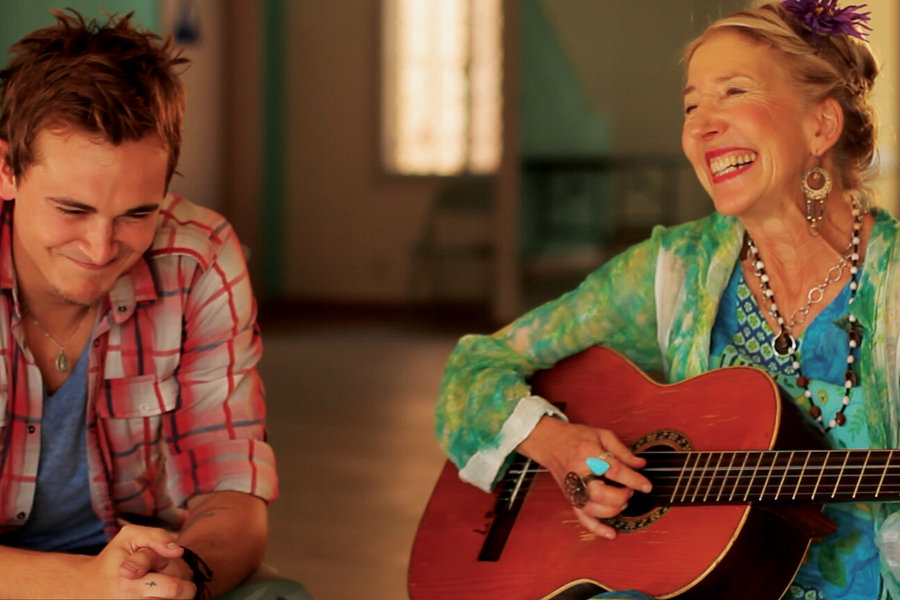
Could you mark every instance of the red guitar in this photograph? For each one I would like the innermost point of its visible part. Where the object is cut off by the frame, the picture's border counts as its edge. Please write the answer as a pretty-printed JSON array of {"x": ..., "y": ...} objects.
[{"x": 737, "y": 496}]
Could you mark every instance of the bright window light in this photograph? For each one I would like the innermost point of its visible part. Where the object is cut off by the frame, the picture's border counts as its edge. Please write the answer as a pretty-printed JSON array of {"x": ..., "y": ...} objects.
[{"x": 441, "y": 85}]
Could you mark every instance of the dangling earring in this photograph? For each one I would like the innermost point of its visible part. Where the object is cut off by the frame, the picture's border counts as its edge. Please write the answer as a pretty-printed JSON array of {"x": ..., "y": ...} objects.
[{"x": 816, "y": 184}]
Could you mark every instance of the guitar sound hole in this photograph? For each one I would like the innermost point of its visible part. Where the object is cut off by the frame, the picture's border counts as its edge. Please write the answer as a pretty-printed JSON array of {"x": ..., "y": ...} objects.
[
  {"x": 639, "y": 505},
  {"x": 643, "y": 509}
]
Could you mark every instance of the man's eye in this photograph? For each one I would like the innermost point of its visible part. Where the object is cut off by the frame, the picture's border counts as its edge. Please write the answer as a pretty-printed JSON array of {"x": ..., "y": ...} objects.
[
  {"x": 71, "y": 211},
  {"x": 735, "y": 91},
  {"x": 689, "y": 108}
]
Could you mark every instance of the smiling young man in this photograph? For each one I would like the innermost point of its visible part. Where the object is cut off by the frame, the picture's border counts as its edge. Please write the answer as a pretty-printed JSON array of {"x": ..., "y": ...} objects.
[{"x": 133, "y": 460}]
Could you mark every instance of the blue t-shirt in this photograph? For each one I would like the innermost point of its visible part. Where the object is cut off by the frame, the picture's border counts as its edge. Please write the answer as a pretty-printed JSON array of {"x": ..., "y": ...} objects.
[{"x": 62, "y": 518}]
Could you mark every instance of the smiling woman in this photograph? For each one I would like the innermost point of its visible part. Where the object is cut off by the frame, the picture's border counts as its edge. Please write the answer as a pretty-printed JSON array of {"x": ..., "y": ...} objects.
[
  {"x": 746, "y": 131},
  {"x": 780, "y": 132}
]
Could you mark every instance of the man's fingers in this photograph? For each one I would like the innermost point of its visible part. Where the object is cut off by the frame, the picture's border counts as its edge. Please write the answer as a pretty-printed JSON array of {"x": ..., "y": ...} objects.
[
  {"x": 163, "y": 586},
  {"x": 141, "y": 562}
]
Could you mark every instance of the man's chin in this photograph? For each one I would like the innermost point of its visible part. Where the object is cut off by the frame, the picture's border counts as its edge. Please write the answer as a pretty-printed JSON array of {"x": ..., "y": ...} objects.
[{"x": 82, "y": 297}]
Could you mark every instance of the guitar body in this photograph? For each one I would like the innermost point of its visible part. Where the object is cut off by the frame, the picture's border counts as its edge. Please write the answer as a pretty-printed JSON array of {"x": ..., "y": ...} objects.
[{"x": 687, "y": 552}]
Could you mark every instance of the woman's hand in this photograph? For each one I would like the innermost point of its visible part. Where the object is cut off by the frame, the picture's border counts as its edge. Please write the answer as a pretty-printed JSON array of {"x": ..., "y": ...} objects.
[{"x": 563, "y": 447}]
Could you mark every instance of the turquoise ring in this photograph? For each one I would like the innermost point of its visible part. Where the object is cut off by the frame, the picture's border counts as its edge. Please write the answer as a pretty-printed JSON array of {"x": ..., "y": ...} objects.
[{"x": 599, "y": 465}]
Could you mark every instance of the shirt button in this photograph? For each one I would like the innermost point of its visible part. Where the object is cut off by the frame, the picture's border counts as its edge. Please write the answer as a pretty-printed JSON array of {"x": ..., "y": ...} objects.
[
  {"x": 31, "y": 429},
  {"x": 21, "y": 516},
  {"x": 122, "y": 308},
  {"x": 144, "y": 407},
  {"x": 97, "y": 343}
]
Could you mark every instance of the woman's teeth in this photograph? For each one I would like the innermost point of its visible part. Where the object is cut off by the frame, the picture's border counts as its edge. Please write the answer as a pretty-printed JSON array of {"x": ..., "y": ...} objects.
[{"x": 726, "y": 164}]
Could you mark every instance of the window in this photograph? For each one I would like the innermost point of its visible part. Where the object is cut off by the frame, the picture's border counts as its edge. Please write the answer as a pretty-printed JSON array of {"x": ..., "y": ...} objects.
[{"x": 441, "y": 86}]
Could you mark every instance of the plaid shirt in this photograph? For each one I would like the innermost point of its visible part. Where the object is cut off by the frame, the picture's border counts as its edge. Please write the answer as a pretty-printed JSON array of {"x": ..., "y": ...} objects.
[{"x": 175, "y": 404}]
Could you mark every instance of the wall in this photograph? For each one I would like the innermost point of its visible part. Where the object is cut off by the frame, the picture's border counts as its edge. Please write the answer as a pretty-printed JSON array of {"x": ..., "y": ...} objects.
[
  {"x": 201, "y": 165},
  {"x": 349, "y": 228},
  {"x": 20, "y": 18}
]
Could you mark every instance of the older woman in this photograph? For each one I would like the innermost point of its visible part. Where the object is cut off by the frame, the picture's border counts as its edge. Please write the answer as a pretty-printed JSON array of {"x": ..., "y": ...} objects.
[{"x": 794, "y": 272}]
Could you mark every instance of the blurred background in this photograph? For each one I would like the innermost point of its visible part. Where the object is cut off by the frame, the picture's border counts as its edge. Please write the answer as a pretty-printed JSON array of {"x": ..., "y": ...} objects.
[{"x": 402, "y": 172}]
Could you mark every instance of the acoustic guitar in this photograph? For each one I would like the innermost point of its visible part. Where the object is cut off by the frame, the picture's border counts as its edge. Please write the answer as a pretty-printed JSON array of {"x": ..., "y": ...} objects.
[{"x": 739, "y": 478}]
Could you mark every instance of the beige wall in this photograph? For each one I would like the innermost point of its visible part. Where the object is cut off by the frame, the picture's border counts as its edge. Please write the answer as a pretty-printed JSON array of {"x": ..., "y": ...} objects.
[
  {"x": 350, "y": 228},
  {"x": 885, "y": 40},
  {"x": 201, "y": 164}
]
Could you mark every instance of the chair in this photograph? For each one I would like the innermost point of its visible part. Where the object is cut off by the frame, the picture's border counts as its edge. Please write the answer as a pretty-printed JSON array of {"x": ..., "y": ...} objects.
[{"x": 457, "y": 237}]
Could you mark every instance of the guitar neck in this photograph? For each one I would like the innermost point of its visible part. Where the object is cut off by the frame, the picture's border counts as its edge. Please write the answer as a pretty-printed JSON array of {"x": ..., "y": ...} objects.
[{"x": 768, "y": 476}]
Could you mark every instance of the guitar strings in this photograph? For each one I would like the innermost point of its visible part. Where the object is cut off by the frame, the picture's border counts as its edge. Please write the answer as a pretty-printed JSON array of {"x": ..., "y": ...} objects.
[{"x": 766, "y": 475}]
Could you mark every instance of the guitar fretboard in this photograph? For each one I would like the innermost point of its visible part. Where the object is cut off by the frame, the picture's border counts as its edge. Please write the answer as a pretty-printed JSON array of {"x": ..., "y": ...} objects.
[{"x": 773, "y": 476}]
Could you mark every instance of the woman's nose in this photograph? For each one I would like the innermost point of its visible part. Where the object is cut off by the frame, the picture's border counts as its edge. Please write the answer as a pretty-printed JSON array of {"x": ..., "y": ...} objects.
[{"x": 705, "y": 122}]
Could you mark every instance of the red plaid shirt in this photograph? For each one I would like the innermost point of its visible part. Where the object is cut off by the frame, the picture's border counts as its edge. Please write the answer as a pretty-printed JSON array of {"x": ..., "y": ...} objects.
[{"x": 175, "y": 404}]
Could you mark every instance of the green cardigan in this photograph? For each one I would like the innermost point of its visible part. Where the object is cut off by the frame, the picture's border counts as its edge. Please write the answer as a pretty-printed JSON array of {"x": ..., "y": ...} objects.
[{"x": 656, "y": 303}]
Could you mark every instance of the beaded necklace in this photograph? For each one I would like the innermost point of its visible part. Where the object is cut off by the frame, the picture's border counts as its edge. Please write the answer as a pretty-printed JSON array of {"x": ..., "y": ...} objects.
[{"x": 785, "y": 344}]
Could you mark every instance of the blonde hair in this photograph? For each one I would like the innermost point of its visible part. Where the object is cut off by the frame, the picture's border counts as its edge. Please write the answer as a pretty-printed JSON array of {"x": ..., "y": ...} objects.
[{"x": 822, "y": 66}]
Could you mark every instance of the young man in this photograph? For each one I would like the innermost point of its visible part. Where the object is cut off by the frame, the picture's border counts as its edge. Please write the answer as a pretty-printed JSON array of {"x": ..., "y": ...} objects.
[{"x": 133, "y": 460}]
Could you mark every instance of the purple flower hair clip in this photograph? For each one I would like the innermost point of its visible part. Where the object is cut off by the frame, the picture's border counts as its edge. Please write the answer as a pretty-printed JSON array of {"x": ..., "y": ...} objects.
[{"x": 824, "y": 17}]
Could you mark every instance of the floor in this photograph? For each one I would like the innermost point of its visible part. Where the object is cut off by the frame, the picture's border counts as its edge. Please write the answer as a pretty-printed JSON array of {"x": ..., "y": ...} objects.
[{"x": 351, "y": 407}]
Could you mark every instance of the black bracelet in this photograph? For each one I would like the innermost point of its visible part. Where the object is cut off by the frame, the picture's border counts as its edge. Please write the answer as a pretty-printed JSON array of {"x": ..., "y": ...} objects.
[{"x": 202, "y": 573}]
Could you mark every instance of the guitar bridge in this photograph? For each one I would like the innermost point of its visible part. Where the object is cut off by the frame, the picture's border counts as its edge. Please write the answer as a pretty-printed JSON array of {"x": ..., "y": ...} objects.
[{"x": 512, "y": 493}]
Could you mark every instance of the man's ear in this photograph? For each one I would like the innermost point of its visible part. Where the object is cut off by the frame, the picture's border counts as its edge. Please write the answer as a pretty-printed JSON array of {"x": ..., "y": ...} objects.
[
  {"x": 829, "y": 125},
  {"x": 7, "y": 178}
]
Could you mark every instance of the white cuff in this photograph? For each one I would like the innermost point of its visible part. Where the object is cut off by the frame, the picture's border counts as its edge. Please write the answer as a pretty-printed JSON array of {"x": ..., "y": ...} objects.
[{"x": 482, "y": 468}]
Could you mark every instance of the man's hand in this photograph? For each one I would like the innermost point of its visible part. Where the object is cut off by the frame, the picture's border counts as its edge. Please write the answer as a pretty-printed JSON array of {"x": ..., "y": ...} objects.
[
  {"x": 227, "y": 530},
  {"x": 136, "y": 564},
  {"x": 563, "y": 447}
]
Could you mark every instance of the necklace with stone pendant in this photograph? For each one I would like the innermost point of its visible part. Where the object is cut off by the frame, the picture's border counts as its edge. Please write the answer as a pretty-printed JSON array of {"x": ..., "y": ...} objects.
[
  {"x": 784, "y": 344},
  {"x": 62, "y": 361}
]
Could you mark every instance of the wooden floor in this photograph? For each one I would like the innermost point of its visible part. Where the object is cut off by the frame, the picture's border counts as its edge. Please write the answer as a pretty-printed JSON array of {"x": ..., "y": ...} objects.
[{"x": 351, "y": 410}]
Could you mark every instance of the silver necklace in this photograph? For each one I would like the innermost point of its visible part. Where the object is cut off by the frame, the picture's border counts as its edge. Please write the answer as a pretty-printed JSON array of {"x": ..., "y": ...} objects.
[
  {"x": 813, "y": 296},
  {"x": 62, "y": 361},
  {"x": 785, "y": 344}
]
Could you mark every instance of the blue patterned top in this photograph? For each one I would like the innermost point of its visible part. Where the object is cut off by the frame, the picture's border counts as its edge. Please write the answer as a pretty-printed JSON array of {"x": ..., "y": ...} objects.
[{"x": 845, "y": 564}]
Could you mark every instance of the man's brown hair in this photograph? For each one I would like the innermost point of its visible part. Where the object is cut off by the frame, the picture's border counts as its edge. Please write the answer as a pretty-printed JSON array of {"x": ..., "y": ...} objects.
[{"x": 110, "y": 79}]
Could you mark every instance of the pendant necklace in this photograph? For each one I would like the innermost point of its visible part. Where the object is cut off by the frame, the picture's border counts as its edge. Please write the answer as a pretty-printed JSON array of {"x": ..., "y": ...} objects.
[
  {"x": 62, "y": 361},
  {"x": 784, "y": 343}
]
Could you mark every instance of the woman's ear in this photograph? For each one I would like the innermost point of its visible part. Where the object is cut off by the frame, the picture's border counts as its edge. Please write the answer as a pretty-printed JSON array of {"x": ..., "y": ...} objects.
[
  {"x": 7, "y": 177},
  {"x": 829, "y": 124}
]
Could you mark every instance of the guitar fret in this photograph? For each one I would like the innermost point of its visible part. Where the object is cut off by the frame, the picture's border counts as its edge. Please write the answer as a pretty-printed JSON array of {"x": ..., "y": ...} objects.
[
  {"x": 752, "y": 477},
  {"x": 762, "y": 492},
  {"x": 690, "y": 482},
  {"x": 819, "y": 478},
  {"x": 725, "y": 480},
  {"x": 784, "y": 475},
  {"x": 840, "y": 474},
  {"x": 702, "y": 474},
  {"x": 738, "y": 476},
  {"x": 802, "y": 474},
  {"x": 862, "y": 473},
  {"x": 712, "y": 479},
  {"x": 884, "y": 472},
  {"x": 681, "y": 473}
]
